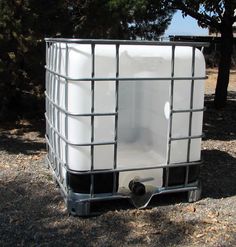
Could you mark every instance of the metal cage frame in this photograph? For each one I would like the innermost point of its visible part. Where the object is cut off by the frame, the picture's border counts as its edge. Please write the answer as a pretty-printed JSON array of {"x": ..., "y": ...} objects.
[{"x": 79, "y": 204}]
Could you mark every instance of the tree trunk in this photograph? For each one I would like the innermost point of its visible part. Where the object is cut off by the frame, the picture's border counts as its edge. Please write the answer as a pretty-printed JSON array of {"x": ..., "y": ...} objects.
[{"x": 225, "y": 63}]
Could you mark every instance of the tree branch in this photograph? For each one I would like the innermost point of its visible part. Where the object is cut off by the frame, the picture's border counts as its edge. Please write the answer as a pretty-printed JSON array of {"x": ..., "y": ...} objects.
[{"x": 204, "y": 18}]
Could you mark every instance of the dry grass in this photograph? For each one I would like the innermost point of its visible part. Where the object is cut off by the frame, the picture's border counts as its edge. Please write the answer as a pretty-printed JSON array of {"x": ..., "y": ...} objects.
[{"x": 212, "y": 78}]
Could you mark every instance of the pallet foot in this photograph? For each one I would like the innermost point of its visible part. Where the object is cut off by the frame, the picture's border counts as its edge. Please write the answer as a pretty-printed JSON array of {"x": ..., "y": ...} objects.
[
  {"x": 79, "y": 208},
  {"x": 195, "y": 195}
]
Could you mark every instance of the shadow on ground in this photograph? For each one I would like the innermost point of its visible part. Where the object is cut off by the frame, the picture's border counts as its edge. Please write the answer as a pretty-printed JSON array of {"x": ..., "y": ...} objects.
[
  {"x": 218, "y": 174},
  {"x": 32, "y": 211},
  {"x": 31, "y": 215},
  {"x": 23, "y": 136},
  {"x": 220, "y": 124}
]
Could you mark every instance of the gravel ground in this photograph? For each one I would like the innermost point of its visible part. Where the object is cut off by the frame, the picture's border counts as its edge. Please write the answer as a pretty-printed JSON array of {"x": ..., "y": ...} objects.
[{"x": 32, "y": 212}]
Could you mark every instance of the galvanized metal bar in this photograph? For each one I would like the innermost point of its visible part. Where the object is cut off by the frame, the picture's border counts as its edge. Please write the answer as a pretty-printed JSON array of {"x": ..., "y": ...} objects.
[
  {"x": 108, "y": 196},
  {"x": 49, "y": 90},
  {"x": 128, "y": 42},
  {"x": 186, "y": 137},
  {"x": 49, "y": 55},
  {"x": 92, "y": 117},
  {"x": 190, "y": 114},
  {"x": 54, "y": 174},
  {"x": 46, "y": 53},
  {"x": 54, "y": 153},
  {"x": 97, "y": 79},
  {"x": 169, "y": 190},
  {"x": 76, "y": 144},
  {"x": 58, "y": 112},
  {"x": 46, "y": 101},
  {"x": 54, "y": 69},
  {"x": 52, "y": 82},
  {"x": 182, "y": 164},
  {"x": 50, "y": 95},
  {"x": 56, "y": 105},
  {"x": 78, "y": 114},
  {"x": 116, "y": 116},
  {"x": 171, "y": 113},
  {"x": 66, "y": 107},
  {"x": 49, "y": 79},
  {"x": 137, "y": 169},
  {"x": 53, "y": 108},
  {"x": 190, "y": 110},
  {"x": 46, "y": 83}
]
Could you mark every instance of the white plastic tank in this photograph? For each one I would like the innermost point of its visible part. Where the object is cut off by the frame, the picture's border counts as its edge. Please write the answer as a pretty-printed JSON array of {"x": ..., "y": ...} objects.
[{"x": 143, "y": 107}]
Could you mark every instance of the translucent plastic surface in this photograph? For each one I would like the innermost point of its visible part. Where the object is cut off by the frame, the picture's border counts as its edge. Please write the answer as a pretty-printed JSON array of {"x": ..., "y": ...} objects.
[{"x": 143, "y": 107}]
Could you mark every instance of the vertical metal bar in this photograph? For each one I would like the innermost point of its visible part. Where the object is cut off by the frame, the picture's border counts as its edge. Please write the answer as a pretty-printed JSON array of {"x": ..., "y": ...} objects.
[
  {"x": 66, "y": 103},
  {"x": 46, "y": 84},
  {"x": 50, "y": 106},
  {"x": 190, "y": 114},
  {"x": 171, "y": 113},
  {"x": 48, "y": 92},
  {"x": 50, "y": 64},
  {"x": 116, "y": 116},
  {"x": 53, "y": 107},
  {"x": 54, "y": 80},
  {"x": 92, "y": 117},
  {"x": 49, "y": 55},
  {"x": 58, "y": 111},
  {"x": 46, "y": 100}
]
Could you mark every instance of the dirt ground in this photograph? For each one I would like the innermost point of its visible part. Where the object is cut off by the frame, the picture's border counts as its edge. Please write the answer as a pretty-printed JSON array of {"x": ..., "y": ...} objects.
[{"x": 32, "y": 212}]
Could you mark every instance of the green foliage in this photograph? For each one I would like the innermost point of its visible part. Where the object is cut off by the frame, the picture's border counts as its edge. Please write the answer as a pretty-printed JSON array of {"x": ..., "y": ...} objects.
[
  {"x": 119, "y": 19},
  {"x": 219, "y": 16},
  {"x": 25, "y": 23},
  {"x": 207, "y": 13},
  {"x": 23, "y": 26}
]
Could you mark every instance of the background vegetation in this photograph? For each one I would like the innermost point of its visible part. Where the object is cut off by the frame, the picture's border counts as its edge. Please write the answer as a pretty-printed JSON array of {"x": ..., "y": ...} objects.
[
  {"x": 25, "y": 23},
  {"x": 219, "y": 15}
]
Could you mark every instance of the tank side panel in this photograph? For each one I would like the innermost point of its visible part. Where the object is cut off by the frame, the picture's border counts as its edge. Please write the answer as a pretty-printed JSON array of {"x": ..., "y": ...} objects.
[
  {"x": 182, "y": 93},
  {"x": 143, "y": 134}
]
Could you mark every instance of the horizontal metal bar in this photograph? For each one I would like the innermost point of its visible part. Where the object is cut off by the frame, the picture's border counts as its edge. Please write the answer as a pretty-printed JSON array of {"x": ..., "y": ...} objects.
[
  {"x": 111, "y": 196},
  {"x": 54, "y": 153},
  {"x": 79, "y": 114},
  {"x": 76, "y": 144},
  {"x": 126, "y": 78},
  {"x": 189, "y": 110},
  {"x": 176, "y": 189},
  {"x": 186, "y": 137},
  {"x": 181, "y": 164},
  {"x": 126, "y": 42},
  {"x": 137, "y": 168},
  {"x": 119, "y": 195},
  {"x": 64, "y": 190}
]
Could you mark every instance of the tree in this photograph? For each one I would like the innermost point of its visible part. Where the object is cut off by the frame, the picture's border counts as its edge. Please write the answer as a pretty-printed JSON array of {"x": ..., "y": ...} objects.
[
  {"x": 220, "y": 16},
  {"x": 23, "y": 26},
  {"x": 119, "y": 19},
  {"x": 25, "y": 23}
]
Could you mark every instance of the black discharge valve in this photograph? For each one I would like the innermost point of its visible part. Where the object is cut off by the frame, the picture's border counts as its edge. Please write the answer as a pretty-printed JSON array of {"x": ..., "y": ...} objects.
[{"x": 137, "y": 188}]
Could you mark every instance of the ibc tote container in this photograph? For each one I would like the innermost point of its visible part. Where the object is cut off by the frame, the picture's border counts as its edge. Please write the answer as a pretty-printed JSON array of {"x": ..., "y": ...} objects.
[{"x": 123, "y": 119}]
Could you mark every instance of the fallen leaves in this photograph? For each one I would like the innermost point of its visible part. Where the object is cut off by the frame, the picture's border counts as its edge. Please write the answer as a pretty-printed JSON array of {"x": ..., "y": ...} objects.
[
  {"x": 191, "y": 208},
  {"x": 31, "y": 203}
]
